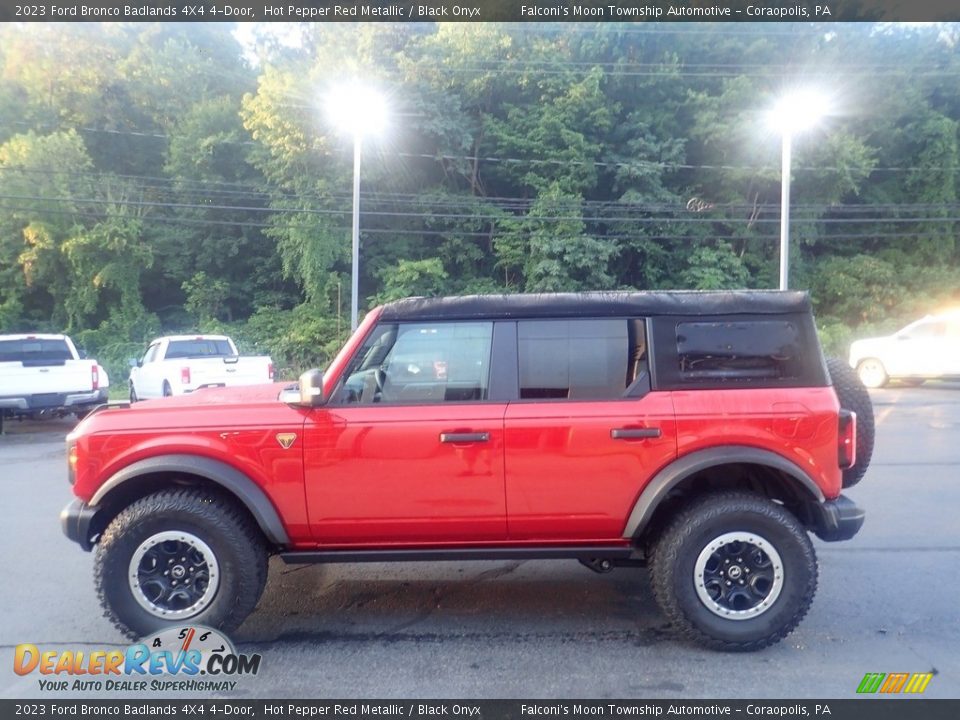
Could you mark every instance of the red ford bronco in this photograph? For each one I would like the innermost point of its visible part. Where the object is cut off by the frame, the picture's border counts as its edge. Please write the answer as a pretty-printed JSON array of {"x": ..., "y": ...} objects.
[{"x": 699, "y": 434}]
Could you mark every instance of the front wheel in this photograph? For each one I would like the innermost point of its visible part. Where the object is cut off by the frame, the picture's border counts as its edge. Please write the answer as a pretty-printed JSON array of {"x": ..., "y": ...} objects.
[
  {"x": 133, "y": 394},
  {"x": 872, "y": 373},
  {"x": 176, "y": 556},
  {"x": 734, "y": 571}
]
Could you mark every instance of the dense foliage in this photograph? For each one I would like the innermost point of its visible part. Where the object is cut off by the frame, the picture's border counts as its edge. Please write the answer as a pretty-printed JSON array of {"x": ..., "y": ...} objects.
[{"x": 170, "y": 177}]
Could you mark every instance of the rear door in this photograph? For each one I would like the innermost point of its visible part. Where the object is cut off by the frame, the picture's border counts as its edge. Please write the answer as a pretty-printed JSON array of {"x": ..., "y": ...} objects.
[{"x": 586, "y": 433}]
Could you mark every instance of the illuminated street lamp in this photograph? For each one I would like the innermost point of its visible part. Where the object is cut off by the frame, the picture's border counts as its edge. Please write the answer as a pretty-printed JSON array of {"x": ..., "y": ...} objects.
[
  {"x": 793, "y": 114},
  {"x": 358, "y": 111}
]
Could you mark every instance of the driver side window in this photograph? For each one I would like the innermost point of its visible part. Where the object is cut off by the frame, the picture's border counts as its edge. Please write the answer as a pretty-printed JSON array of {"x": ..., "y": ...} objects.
[
  {"x": 414, "y": 363},
  {"x": 150, "y": 354}
]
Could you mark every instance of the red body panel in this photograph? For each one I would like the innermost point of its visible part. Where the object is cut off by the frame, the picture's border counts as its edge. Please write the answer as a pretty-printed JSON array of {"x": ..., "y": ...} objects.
[
  {"x": 799, "y": 424},
  {"x": 236, "y": 426},
  {"x": 567, "y": 478}
]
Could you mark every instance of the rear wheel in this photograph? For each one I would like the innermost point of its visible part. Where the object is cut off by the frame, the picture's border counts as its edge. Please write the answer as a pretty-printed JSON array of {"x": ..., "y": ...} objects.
[
  {"x": 176, "y": 556},
  {"x": 854, "y": 396},
  {"x": 734, "y": 571}
]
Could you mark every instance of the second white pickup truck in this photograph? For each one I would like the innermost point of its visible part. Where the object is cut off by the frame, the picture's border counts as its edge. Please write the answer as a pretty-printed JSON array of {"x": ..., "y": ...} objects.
[{"x": 178, "y": 364}]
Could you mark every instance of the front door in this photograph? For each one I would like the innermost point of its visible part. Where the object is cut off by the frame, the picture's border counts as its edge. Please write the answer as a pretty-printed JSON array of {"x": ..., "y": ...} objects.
[{"x": 409, "y": 450}]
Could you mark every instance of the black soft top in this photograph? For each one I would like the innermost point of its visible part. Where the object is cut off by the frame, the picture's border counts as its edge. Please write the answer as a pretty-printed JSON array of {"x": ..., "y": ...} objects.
[{"x": 600, "y": 304}]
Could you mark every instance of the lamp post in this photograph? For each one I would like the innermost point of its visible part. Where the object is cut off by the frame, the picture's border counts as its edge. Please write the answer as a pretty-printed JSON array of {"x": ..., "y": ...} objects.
[
  {"x": 793, "y": 114},
  {"x": 358, "y": 111}
]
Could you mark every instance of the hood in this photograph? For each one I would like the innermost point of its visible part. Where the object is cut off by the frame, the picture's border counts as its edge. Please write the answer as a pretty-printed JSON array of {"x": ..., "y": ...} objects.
[
  {"x": 242, "y": 394},
  {"x": 210, "y": 408}
]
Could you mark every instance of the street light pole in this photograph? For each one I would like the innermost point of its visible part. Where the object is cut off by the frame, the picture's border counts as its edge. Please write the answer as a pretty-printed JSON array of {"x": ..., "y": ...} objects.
[
  {"x": 355, "y": 262},
  {"x": 785, "y": 210},
  {"x": 794, "y": 113},
  {"x": 356, "y": 110}
]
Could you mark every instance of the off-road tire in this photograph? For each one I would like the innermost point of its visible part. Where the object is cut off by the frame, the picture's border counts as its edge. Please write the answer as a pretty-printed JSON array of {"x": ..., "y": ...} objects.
[
  {"x": 854, "y": 396},
  {"x": 234, "y": 539},
  {"x": 674, "y": 556}
]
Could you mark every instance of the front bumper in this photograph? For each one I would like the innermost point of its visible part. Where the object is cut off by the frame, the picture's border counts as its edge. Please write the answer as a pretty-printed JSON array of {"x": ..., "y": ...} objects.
[
  {"x": 835, "y": 520},
  {"x": 76, "y": 519}
]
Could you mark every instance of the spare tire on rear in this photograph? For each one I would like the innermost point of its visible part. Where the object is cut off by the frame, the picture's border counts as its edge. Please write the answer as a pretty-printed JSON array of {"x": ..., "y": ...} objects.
[{"x": 853, "y": 396}]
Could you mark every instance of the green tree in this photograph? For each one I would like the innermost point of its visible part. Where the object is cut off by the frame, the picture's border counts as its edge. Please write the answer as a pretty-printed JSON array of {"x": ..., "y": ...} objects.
[
  {"x": 44, "y": 198},
  {"x": 106, "y": 262},
  {"x": 551, "y": 251},
  {"x": 715, "y": 267},
  {"x": 413, "y": 277}
]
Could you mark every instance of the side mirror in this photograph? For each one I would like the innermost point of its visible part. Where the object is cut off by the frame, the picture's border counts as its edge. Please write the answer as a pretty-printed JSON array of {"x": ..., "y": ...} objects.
[
  {"x": 310, "y": 392},
  {"x": 133, "y": 362}
]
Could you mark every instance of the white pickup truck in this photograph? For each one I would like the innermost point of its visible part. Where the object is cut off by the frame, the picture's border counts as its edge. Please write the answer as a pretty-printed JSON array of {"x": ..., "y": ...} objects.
[
  {"x": 179, "y": 364},
  {"x": 43, "y": 374}
]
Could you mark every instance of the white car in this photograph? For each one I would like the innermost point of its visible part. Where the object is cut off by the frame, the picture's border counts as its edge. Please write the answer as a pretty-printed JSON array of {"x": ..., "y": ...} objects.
[
  {"x": 43, "y": 374},
  {"x": 179, "y": 364},
  {"x": 926, "y": 349}
]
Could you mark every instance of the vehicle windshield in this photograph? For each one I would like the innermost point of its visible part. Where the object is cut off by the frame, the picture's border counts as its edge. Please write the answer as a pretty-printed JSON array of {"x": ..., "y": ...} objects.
[{"x": 34, "y": 350}]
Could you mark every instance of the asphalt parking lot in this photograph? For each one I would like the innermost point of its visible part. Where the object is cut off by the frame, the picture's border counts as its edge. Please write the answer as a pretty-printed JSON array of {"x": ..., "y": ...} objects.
[{"x": 887, "y": 600}]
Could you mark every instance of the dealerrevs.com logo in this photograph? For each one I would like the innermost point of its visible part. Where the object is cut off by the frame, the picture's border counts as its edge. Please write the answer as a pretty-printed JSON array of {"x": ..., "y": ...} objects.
[{"x": 177, "y": 659}]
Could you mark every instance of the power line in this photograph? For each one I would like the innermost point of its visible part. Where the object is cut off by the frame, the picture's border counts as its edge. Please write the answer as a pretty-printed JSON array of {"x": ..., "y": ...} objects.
[
  {"x": 464, "y": 216},
  {"x": 421, "y": 200},
  {"x": 644, "y": 163},
  {"x": 544, "y": 161},
  {"x": 491, "y": 235}
]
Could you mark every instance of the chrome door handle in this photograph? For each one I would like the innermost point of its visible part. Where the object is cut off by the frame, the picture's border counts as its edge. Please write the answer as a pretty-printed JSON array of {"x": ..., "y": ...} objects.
[
  {"x": 464, "y": 437},
  {"x": 634, "y": 433}
]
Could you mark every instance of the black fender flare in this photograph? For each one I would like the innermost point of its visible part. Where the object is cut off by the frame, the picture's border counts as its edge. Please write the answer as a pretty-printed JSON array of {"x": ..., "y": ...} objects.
[
  {"x": 232, "y": 480},
  {"x": 682, "y": 468}
]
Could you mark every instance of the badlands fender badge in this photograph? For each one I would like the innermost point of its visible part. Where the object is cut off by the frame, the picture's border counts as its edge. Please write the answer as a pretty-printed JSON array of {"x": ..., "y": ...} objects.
[{"x": 286, "y": 439}]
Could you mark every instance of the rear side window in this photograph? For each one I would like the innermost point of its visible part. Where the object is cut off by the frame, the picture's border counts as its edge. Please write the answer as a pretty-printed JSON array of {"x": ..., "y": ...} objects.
[
  {"x": 596, "y": 359},
  {"x": 198, "y": 349},
  {"x": 738, "y": 350},
  {"x": 35, "y": 350}
]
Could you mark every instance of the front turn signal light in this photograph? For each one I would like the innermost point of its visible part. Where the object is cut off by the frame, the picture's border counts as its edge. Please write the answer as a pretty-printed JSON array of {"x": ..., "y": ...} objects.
[{"x": 72, "y": 459}]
